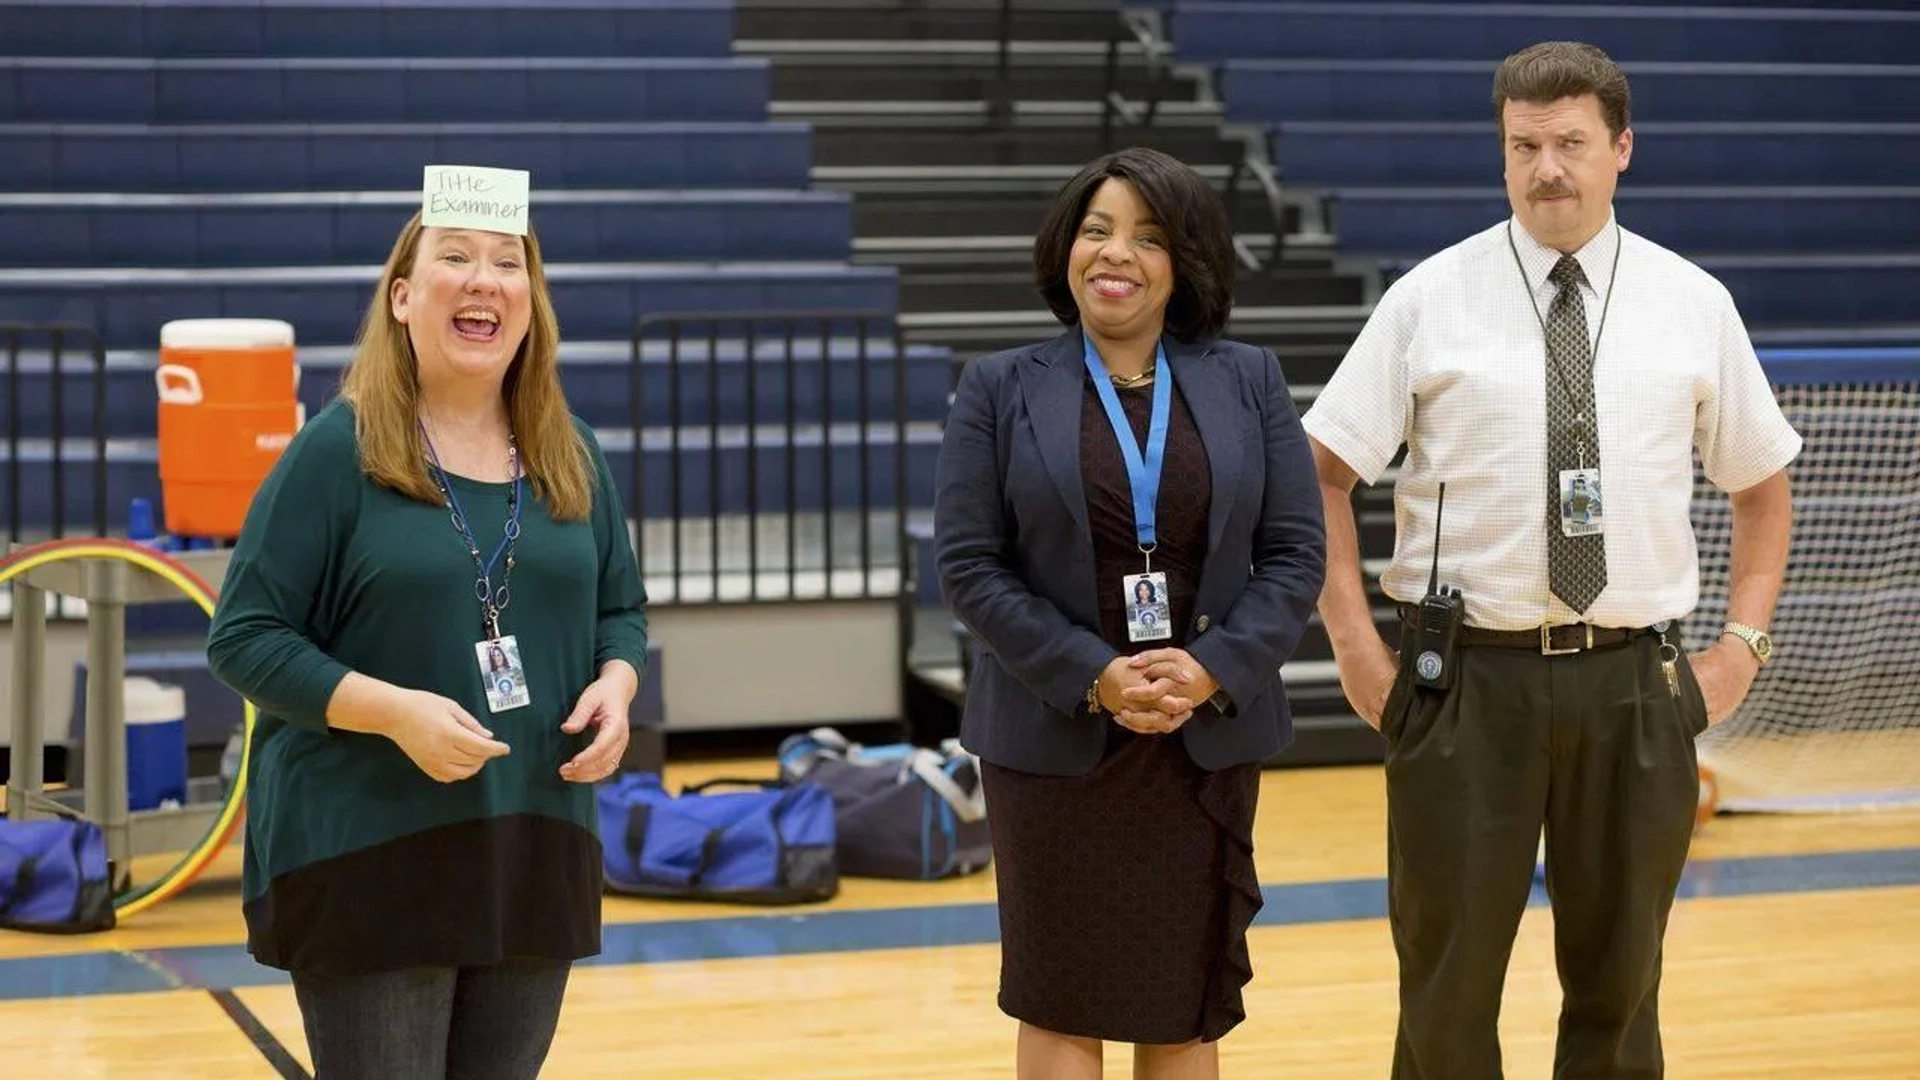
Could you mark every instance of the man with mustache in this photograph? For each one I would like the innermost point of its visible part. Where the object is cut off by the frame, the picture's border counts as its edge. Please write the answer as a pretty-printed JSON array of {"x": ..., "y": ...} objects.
[{"x": 1555, "y": 373}]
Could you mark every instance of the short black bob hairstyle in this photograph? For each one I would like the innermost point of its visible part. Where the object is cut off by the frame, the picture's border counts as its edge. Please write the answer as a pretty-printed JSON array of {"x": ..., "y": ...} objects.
[{"x": 1189, "y": 211}]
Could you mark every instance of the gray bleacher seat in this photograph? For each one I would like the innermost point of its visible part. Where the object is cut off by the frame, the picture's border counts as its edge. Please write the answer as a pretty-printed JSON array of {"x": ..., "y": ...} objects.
[
  {"x": 593, "y": 300},
  {"x": 1707, "y": 218},
  {"x": 1268, "y": 91},
  {"x": 1212, "y": 32},
  {"x": 1339, "y": 153},
  {"x": 513, "y": 28},
  {"x": 352, "y": 228},
  {"x": 1814, "y": 290},
  {"x": 100, "y": 90},
  {"x": 352, "y": 157}
]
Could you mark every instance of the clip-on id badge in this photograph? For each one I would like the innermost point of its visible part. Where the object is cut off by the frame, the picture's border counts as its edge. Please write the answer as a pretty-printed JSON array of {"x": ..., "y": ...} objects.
[{"x": 1580, "y": 502}]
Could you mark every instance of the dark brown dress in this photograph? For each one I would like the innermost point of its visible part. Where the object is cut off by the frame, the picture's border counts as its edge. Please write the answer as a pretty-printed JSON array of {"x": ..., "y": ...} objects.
[{"x": 1125, "y": 895}]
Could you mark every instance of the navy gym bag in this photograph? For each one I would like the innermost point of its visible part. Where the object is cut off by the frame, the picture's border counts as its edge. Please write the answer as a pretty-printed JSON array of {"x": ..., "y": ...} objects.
[
  {"x": 773, "y": 844},
  {"x": 903, "y": 811}
]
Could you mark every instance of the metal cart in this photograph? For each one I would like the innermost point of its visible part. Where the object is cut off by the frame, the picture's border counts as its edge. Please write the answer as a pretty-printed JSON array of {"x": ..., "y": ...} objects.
[{"x": 107, "y": 586}]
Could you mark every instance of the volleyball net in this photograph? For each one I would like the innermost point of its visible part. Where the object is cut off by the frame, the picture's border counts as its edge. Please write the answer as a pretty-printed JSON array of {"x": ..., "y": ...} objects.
[{"x": 1833, "y": 722}]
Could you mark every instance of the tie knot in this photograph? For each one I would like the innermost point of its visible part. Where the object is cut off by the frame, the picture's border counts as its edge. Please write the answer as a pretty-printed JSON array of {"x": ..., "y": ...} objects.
[{"x": 1567, "y": 272}]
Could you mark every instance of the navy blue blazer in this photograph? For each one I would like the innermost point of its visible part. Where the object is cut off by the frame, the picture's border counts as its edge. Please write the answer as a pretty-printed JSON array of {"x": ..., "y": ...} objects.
[{"x": 1015, "y": 553}]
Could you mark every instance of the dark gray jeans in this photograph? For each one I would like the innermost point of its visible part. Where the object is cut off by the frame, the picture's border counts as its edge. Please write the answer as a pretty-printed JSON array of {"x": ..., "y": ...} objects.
[{"x": 482, "y": 1023}]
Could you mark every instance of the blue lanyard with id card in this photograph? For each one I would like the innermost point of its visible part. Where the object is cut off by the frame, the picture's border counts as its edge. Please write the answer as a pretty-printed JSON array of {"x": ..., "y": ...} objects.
[
  {"x": 1146, "y": 602},
  {"x": 502, "y": 674}
]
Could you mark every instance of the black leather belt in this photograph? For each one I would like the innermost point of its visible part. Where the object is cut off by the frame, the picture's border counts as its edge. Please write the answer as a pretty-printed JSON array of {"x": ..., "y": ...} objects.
[{"x": 1549, "y": 640}]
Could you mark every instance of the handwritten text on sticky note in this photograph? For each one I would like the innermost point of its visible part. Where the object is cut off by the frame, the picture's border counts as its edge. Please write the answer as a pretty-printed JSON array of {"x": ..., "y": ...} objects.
[{"x": 474, "y": 197}]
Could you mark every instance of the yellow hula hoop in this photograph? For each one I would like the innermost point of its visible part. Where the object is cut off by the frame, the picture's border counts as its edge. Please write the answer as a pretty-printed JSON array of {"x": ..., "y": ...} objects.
[{"x": 196, "y": 589}]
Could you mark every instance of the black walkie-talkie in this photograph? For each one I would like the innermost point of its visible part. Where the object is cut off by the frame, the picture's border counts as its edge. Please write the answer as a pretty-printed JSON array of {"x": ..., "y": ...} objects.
[{"x": 1442, "y": 612}]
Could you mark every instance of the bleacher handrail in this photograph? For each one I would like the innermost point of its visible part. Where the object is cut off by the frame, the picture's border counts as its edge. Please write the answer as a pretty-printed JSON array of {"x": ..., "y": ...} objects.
[
  {"x": 59, "y": 337},
  {"x": 866, "y": 325}
]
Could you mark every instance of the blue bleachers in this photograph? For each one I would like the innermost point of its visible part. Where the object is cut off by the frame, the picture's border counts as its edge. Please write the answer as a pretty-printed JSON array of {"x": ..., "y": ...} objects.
[
  {"x": 381, "y": 157},
  {"x": 382, "y": 90},
  {"x": 1209, "y": 32},
  {"x": 67, "y": 231},
  {"x": 507, "y": 28},
  {"x": 594, "y": 301},
  {"x": 1747, "y": 220},
  {"x": 1775, "y": 146},
  {"x": 256, "y": 158},
  {"x": 596, "y": 376},
  {"x": 1801, "y": 290},
  {"x": 1269, "y": 91},
  {"x": 132, "y": 472},
  {"x": 1341, "y": 153},
  {"x": 1835, "y": 290}
]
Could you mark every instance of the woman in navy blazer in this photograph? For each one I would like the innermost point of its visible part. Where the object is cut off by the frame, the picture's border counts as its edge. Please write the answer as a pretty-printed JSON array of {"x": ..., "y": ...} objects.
[{"x": 1122, "y": 728}]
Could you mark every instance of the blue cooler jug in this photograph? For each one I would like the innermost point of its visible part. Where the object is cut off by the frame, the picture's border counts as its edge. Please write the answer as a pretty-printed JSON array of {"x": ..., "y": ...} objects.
[{"x": 156, "y": 744}]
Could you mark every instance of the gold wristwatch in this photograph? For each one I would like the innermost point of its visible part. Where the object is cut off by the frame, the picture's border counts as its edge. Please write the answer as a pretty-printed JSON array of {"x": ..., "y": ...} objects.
[{"x": 1756, "y": 639}]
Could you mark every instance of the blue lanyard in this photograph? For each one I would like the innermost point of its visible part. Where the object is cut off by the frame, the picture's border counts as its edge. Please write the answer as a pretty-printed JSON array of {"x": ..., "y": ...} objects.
[
  {"x": 492, "y": 600},
  {"x": 1143, "y": 473}
]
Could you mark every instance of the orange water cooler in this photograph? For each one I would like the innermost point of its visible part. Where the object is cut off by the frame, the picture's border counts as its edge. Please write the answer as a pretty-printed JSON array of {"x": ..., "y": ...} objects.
[{"x": 229, "y": 405}]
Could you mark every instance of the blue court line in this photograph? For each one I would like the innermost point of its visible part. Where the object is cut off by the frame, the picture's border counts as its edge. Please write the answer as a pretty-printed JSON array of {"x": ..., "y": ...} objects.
[{"x": 812, "y": 931}]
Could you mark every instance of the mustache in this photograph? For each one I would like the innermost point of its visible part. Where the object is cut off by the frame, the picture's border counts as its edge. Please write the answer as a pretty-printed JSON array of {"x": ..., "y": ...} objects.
[{"x": 1550, "y": 191}]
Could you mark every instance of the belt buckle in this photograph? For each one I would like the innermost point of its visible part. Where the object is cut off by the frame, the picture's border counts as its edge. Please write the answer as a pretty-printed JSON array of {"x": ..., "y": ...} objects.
[{"x": 1546, "y": 641}]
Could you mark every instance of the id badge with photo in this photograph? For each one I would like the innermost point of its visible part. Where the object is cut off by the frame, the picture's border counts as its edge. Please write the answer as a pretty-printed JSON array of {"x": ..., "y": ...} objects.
[
  {"x": 1149, "y": 618},
  {"x": 501, "y": 673},
  {"x": 1580, "y": 502}
]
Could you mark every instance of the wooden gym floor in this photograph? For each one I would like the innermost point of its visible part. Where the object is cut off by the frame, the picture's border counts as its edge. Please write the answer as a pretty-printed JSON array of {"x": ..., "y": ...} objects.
[{"x": 1794, "y": 953}]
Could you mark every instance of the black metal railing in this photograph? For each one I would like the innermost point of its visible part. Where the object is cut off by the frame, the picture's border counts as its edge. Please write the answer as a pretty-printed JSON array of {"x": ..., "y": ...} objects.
[
  {"x": 692, "y": 353},
  {"x": 1000, "y": 102},
  {"x": 64, "y": 344},
  {"x": 1141, "y": 29}
]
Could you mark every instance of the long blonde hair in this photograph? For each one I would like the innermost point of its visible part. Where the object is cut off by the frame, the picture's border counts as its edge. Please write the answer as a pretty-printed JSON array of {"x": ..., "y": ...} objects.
[{"x": 383, "y": 385}]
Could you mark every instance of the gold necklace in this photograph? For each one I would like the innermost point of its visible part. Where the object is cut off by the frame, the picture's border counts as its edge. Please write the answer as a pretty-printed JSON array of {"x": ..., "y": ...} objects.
[{"x": 1134, "y": 380}]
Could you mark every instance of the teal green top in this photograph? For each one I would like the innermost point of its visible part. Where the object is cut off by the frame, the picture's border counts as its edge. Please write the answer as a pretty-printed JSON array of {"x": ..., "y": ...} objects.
[{"x": 356, "y": 859}]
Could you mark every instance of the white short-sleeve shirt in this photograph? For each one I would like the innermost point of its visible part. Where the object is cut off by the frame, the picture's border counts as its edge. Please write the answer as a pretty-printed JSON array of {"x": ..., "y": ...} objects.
[{"x": 1452, "y": 363}]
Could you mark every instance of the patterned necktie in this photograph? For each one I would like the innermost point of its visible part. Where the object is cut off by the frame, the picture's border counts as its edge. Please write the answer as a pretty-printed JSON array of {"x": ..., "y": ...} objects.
[{"x": 1576, "y": 565}]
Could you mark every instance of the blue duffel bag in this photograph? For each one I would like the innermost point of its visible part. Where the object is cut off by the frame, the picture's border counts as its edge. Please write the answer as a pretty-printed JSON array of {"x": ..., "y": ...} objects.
[
  {"x": 772, "y": 844},
  {"x": 55, "y": 877}
]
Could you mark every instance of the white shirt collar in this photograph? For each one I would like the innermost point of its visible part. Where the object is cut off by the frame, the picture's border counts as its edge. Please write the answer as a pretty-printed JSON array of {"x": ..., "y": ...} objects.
[{"x": 1595, "y": 257}]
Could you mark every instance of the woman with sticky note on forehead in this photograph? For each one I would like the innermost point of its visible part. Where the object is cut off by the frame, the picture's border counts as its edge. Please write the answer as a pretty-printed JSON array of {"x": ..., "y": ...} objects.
[{"x": 436, "y": 608}]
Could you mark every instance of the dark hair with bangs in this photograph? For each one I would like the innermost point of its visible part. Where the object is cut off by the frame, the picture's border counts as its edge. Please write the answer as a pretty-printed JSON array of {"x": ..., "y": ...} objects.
[{"x": 1199, "y": 239}]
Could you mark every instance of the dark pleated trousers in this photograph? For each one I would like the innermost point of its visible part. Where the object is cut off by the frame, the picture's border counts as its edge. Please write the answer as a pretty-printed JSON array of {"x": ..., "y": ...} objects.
[{"x": 1595, "y": 748}]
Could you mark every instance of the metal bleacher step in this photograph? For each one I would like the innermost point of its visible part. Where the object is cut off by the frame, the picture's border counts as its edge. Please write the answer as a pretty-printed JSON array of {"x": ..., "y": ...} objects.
[
  {"x": 966, "y": 113},
  {"x": 1043, "y": 178},
  {"x": 1039, "y": 140},
  {"x": 909, "y": 20},
  {"x": 962, "y": 70}
]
